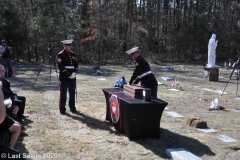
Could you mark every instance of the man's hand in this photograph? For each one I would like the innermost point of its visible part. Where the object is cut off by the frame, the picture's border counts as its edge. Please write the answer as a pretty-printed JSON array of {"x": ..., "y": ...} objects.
[
  {"x": 15, "y": 97},
  {"x": 73, "y": 75}
]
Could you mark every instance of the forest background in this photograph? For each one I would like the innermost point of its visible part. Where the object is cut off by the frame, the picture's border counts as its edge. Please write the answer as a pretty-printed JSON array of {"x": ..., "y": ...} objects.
[{"x": 165, "y": 30}]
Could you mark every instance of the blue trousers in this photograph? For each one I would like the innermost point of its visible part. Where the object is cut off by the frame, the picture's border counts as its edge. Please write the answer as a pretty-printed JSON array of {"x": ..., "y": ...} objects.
[
  {"x": 7, "y": 63},
  {"x": 21, "y": 104},
  {"x": 64, "y": 88},
  {"x": 154, "y": 91}
]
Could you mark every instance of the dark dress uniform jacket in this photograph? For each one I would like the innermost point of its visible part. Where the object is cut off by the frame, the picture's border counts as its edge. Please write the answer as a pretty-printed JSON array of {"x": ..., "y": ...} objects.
[
  {"x": 142, "y": 66},
  {"x": 67, "y": 59},
  {"x": 6, "y": 88},
  {"x": 20, "y": 102},
  {"x": 7, "y": 53}
]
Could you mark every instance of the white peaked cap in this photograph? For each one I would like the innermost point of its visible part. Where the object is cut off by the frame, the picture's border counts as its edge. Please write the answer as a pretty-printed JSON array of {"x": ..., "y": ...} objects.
[
  {"x": 132, "y": 50},
  {"x": 69, "y": 41}
]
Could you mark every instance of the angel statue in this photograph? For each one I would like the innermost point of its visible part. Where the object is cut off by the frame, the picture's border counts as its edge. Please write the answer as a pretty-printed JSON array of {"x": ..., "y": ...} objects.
[{"x": 212, "y": 45}]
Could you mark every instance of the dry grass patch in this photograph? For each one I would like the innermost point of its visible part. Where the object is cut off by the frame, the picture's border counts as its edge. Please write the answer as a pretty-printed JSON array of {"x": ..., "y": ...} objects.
[{"x": 88, "y": 136}]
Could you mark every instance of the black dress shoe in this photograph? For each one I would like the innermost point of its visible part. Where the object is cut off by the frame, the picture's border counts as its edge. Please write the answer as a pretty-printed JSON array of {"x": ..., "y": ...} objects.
[
  {"x": 15, "y": 150},
  {"x": 13, "y": 116},
  {"x": 63, "y": 113},
  {"x": 74, "y": 111},
  {"x": 20, "y": 120},
  {"x": 24, "y": 116}
]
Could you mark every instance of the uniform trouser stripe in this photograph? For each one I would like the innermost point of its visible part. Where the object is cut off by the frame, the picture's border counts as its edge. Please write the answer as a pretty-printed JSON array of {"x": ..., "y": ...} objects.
[
  {"x": 60, "y": 99},
  {"x": 64, "y": 87}
]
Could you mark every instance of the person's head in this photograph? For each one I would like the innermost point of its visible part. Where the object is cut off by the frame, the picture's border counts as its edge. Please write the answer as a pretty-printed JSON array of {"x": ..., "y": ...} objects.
[
  {"x": 4, "y": 42},
  {"x": 67, "y": 44},
  {"x": 133, "y": 53},
  {"x": 2, "y": 71},
  {"x": 238, "y": 56}
]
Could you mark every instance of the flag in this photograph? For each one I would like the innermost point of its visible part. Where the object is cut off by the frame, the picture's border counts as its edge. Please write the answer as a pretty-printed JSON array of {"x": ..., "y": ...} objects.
[{"x": 174, "y": 82}]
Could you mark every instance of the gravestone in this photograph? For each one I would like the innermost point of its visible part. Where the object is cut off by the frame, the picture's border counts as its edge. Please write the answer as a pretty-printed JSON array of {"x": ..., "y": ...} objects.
[
  {"x": 225, "y": 138},
  {"x": 207, "y": 130},
  {"x": 236, "y": 110},
  {"x": 181, "y": 154},
  {"x": 167, "y": 78},
  {"x": 172, "y": 89},
  {"x": 174, "y": 114}
]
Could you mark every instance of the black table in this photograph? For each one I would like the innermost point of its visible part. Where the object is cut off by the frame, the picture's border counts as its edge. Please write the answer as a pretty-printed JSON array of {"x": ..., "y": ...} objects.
[{"x": 135, "y": 117}]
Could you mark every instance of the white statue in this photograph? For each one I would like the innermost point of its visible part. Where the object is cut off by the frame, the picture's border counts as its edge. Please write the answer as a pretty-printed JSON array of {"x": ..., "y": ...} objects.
[{"x": 212, "y": 45}]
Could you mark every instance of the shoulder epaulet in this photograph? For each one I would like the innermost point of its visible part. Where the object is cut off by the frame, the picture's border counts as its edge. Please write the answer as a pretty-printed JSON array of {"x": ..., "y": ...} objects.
[{"x": 61, "y": 52}]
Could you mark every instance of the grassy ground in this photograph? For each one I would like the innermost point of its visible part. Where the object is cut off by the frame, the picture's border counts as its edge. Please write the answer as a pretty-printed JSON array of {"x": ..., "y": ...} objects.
[{"x": 87, "y": 136}]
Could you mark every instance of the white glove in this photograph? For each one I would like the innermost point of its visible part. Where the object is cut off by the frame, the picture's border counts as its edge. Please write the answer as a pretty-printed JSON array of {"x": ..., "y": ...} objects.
[
  {"x": 8, "y": 102},
  {"x": 73, "y": 75}
]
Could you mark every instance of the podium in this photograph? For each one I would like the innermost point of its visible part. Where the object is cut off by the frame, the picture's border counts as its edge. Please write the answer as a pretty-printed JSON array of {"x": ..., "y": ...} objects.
[{"x": 136, "y": 118}]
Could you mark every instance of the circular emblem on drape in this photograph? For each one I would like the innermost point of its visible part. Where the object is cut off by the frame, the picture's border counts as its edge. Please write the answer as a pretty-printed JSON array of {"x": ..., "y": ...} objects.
[{"x": 114, "y": 108}]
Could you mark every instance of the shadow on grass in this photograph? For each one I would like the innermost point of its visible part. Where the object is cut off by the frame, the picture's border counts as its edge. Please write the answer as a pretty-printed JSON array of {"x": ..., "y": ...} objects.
[
  {"x": 170, "y": 140},
  {"x": 19, "y": 145},
  {"x": 157, "y": 146},
  {"x": 93, "y": 122}
]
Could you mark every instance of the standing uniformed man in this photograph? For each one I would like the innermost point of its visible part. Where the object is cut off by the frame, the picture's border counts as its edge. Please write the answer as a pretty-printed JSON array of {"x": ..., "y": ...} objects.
[
  {"x": 142, "y": 72},
  {"x": 68, "y": 66},
  {"x": 6, "y": 53}
]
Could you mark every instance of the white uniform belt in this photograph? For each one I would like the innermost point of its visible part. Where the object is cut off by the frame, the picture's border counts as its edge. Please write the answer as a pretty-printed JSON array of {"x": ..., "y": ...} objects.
[
  {"x": 69, "y": 67},
  {"x": 144, "y": 74}
]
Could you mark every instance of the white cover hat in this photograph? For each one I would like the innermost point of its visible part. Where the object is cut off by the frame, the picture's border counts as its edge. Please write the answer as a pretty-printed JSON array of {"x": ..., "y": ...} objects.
[
  {"x": 67, "y": 42},
  {"x": 129, "y": 52}
]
